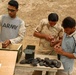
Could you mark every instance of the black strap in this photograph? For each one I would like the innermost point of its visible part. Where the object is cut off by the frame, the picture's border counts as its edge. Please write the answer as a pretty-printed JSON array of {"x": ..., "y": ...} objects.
[{"x": 74, "y": 44}]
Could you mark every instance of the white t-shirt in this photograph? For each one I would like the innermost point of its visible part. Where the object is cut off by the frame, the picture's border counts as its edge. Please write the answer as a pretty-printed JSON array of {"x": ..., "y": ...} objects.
[{"x": 12, "y": 29}]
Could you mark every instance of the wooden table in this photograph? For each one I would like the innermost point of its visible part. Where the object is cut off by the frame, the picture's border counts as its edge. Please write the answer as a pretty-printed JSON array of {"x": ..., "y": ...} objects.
[
  {"x": 52, "y": 71},
  {"x": 7, "y": 61},
  {"x": 8, "y": 58}
]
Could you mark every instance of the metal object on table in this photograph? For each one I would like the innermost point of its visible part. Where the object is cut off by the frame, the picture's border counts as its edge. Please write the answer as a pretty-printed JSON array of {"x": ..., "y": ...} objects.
[{"x": 29, "y": 51}]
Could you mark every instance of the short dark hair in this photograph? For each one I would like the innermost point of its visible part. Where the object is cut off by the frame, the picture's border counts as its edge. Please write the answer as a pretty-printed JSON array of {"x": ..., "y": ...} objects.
[
  {"x": 68, "y": 22},
  {"x": 13, "y": 3},
  {"x": 53, "y": 17}
]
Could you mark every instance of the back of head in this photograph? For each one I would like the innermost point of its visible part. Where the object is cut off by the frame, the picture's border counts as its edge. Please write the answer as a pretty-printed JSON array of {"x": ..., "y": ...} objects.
[
  {"x": 13, "y": 3},
  {"x": 53, "y": 17},
  {"x": 68, "y": 22}
]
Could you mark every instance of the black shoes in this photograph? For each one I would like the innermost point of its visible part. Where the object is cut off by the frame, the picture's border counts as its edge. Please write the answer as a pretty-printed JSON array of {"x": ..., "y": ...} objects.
[
  {"x": 29, "y": 61},
  {"x": 42, "y": 62}
]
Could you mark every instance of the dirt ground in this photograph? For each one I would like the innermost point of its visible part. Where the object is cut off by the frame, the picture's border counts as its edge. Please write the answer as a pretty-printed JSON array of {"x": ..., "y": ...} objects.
[{"x": 32, "y": 11}]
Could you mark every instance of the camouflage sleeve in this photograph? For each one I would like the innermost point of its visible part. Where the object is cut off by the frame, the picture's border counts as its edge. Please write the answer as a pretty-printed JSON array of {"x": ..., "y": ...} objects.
[
  {"x": 40, "y": 26},
  {"x": 61, "y": 32}
]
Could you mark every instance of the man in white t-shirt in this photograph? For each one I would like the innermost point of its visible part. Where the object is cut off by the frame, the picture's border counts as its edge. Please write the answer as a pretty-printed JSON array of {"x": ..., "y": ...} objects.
[{"x": 12, "y": 27}]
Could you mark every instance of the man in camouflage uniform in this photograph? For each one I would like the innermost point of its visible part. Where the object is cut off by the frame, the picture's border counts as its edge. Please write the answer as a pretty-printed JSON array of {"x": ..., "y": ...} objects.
[{"x": 50, "y": 33}]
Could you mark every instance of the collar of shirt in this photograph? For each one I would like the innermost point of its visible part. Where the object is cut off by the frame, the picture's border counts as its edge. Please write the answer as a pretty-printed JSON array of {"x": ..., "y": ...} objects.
[
  {"x": 71, "y": 34},
  {"x": 49, "y": 26}
]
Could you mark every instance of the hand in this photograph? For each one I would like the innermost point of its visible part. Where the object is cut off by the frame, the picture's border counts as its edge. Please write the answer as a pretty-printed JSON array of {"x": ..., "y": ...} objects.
[
  {"x": 5, "y": 43},
  {"x": 57, "y": 45},
  {"x": 49, "y": 38},
  {"x": 53, "y": 42},
  {"x": 58, "y": 49}
]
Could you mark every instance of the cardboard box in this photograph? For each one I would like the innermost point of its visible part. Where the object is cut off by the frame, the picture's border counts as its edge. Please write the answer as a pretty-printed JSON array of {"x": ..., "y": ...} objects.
[{"x": 14, "y": 47}]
